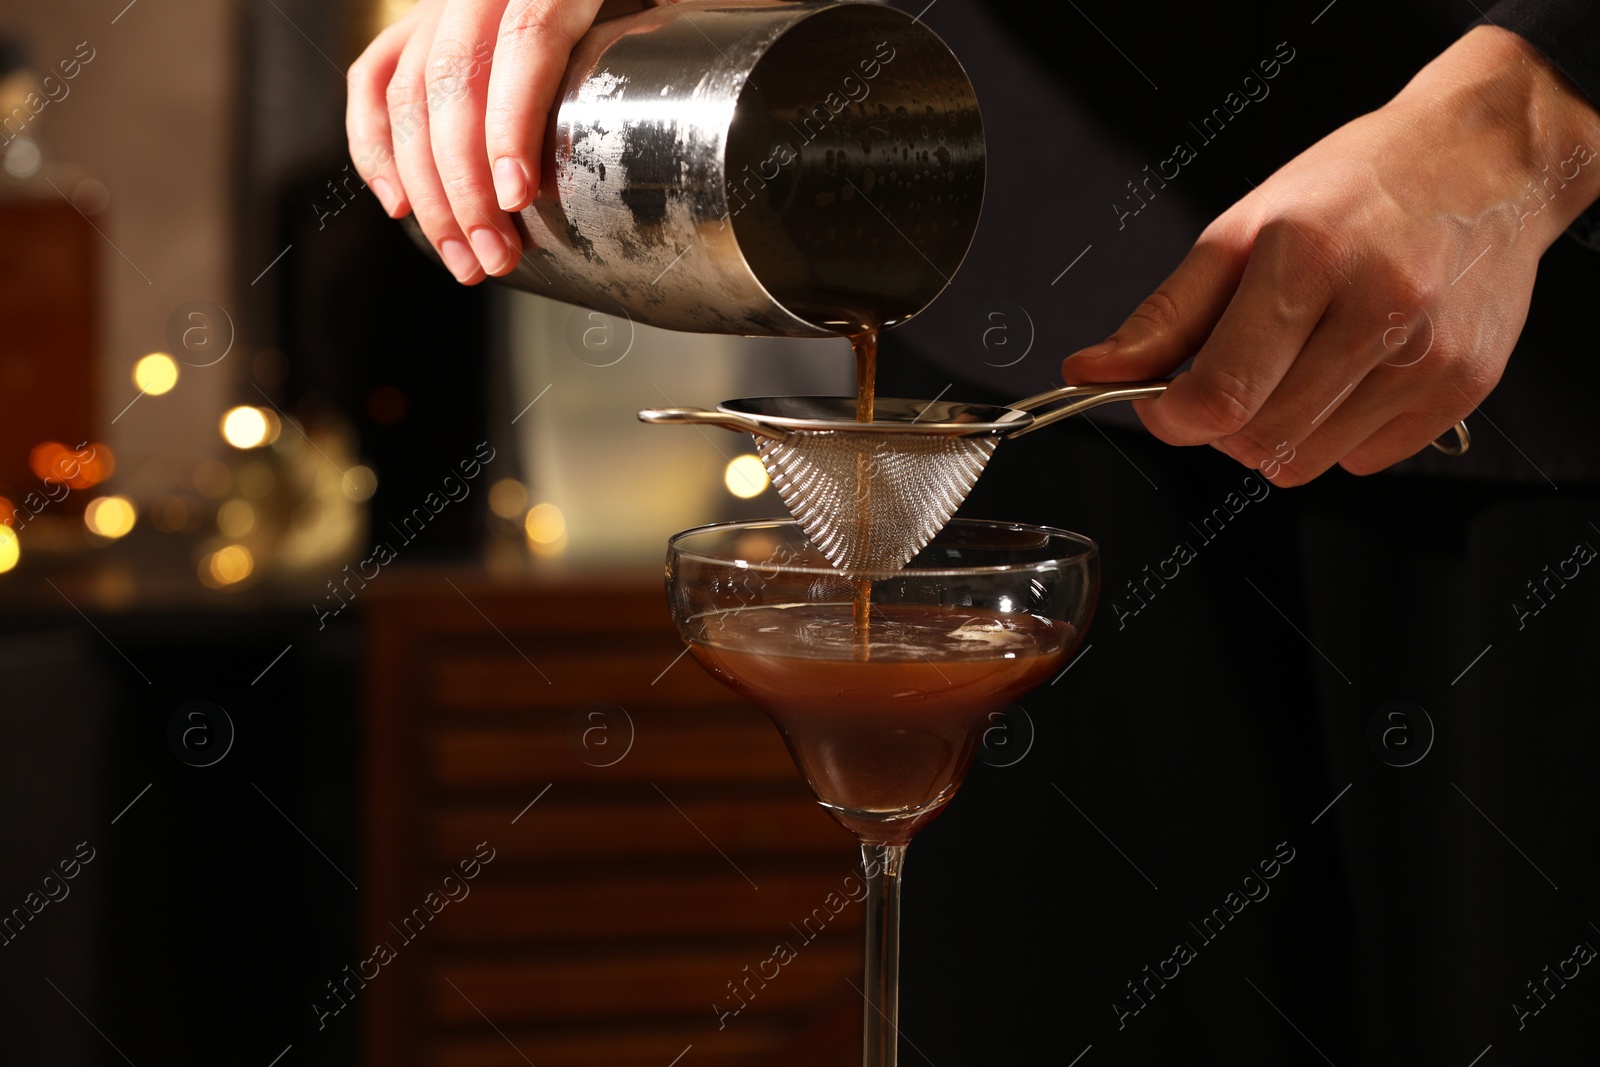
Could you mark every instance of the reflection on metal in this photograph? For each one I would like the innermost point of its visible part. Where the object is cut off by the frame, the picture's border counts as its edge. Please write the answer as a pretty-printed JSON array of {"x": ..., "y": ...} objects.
[
  {"x": 789, "y": 169},
  {"x": 915, "y": 462}
]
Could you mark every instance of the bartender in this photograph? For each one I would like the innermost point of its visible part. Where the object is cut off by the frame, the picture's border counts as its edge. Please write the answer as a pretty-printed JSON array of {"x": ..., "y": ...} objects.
[{"x": 1387, "y": 679}]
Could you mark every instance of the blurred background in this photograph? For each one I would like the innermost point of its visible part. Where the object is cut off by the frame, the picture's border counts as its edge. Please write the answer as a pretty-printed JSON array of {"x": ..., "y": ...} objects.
[
  {"x": 267, "y": 474},
  {"x": 342, "y": 720}
]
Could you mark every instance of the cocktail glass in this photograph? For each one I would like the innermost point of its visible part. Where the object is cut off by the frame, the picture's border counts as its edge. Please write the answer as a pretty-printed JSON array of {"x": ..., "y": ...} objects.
[{"x": 882, "y": 683}]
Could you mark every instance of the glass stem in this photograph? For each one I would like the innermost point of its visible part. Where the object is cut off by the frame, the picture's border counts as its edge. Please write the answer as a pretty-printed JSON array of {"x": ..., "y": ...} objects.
[{"x": 881, "y": 1032}]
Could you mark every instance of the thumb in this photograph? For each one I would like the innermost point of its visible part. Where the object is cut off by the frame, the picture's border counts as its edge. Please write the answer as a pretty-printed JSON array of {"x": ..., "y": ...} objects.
[{"x": 1170, "y": 324}]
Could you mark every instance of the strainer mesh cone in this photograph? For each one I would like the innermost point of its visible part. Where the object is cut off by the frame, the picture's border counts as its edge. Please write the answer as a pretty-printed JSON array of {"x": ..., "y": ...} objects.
[{"x": 871, "y": 501}]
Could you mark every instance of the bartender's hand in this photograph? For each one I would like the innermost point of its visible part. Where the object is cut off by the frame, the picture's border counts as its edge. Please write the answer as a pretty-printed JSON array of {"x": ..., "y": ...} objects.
[
  {"x": 1368, "y": 294},
  {"x": 446, "y": 114}
]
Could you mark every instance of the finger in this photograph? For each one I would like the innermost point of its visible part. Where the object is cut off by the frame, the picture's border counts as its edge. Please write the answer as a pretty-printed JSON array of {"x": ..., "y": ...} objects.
[
  {"x": 1285, "y": 288},
  {"x": 1372, "y": 405},
  {"x": 1412, "y": 431},
  {"x": 1328, "y": 374},
  {"x": 1173, "y": 322},
  {"x": 408, "y": 116},
  {"x": 366, "y": 117},
  {"x": 458, "y": 81},
  {"x": 536, "y": 38}
]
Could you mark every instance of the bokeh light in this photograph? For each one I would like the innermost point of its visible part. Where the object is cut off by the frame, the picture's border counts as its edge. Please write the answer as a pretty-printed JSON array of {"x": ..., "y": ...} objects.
[
  {"x": 545, "y": 524},
  {"x": 386, "y": 405},
  {"x": 47, "y": 459},
  {"x": 95, "y": 465},
  {"x": 10, "y": 548},
  {"x": 359, "y": 482},
  {"x": 256, "y": 480},
  {"x": 248, "y": 427},
  {"x": 110, "y": 516},
  {"x": 156, "y": 373},
  {"x": 745, "y": 477},
  {"x": 227, "y": 566},
  {"x": 23, "y": 159},
  {"x": 270, "y": 368},
  {"x": 91, "y": 196},
  {"x": 213, "y": 479},
  {"x": 507, "y": 498},
  {"x": 52, "y": 461},
  {"x": 236, "y": 518},
  {"x": 170, "y": 514}
]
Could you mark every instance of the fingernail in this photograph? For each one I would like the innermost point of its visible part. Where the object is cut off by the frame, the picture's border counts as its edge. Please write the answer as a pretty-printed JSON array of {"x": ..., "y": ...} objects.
[
  {"x": 510, "y": 184},
  {"x": 1085, "y": 356},
  {"x": 490, "y": 247},
  {"x": 385, "y": 194},
  {"x": 459, "y": 258}
]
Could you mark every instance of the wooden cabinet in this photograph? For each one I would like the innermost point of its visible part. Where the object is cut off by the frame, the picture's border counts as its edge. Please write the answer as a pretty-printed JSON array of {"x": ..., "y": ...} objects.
[
  {"x": 47, "y": 332},
  {"x": 651, "y": 844}
]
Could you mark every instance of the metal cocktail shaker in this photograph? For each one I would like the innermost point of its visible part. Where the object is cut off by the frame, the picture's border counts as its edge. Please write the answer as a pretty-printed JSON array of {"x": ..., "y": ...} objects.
[{"x": 751, "y": 167}]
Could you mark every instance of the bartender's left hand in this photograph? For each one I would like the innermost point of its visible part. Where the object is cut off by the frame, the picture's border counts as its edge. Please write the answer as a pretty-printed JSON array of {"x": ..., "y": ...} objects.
[{"x": 1369, "y": 293}]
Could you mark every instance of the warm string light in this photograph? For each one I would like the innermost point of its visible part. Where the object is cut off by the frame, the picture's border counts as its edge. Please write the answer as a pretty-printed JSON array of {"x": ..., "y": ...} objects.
[
  {"x": 57, "y": 466},
  {"x": 80, "y": 468},
  {"x": 546, "y": 528},
  {"x": 745, "y": 477},
  {"x": 155, "y": 374},
  {"x": 545, "y": 524},
  {"x": 227, "y": 566},
  {"x": 246, "y": 427},
  {"x": 359, "y": 482},
  {"x": 110, "y": 517},
  {"x": 507, "y": 498},
  {"x": 236, "y": 518},
  {"x": 170, "y": 514}
]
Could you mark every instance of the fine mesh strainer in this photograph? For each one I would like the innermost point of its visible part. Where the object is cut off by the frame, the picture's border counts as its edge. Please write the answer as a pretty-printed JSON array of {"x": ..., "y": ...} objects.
[{"x": 871, "y": 495}]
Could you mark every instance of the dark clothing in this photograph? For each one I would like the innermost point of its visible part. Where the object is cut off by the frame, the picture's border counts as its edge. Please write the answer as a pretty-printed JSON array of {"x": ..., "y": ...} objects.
[
  {"x": 1246, "y": 699},
  {"x": 1567, "y": 33},
  {"x": 1076, "y": 132}
]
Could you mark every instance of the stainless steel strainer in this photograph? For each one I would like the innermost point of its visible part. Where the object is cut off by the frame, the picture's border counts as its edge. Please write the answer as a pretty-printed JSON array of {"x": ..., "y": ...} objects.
[{"x": 871, "y": 495}]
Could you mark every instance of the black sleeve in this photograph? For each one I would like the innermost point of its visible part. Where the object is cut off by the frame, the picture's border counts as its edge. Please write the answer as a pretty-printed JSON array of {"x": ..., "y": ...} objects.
[{"x": 1567, "y": 33}]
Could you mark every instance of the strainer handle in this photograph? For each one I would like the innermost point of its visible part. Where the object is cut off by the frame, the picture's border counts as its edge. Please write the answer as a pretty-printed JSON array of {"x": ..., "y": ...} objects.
[
  {"x": 1075, "y": 398},
  {"x": 702, "y": 417}
]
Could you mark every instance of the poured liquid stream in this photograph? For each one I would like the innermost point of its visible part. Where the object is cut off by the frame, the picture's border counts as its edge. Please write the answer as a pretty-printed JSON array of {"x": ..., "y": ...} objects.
[{"x": 865, "y": 344}]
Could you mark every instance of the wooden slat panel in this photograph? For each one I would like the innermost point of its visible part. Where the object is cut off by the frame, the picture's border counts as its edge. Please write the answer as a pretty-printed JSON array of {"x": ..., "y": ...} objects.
[
  {"x": 649, "y": 905},
  {"x": 745, "y": 1043},
  {"x": 649, "y": 828},
  {"x": 631, "y": 986},
  {"x": 390, "y": 812},
  {"x": 608, "y": 922},
  {"x": 649, "y": 746},
  {"x": 484, "y": 678}
]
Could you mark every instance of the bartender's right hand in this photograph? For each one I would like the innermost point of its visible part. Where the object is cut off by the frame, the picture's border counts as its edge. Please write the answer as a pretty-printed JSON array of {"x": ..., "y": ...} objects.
[{"x": 446, "y": 114}]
